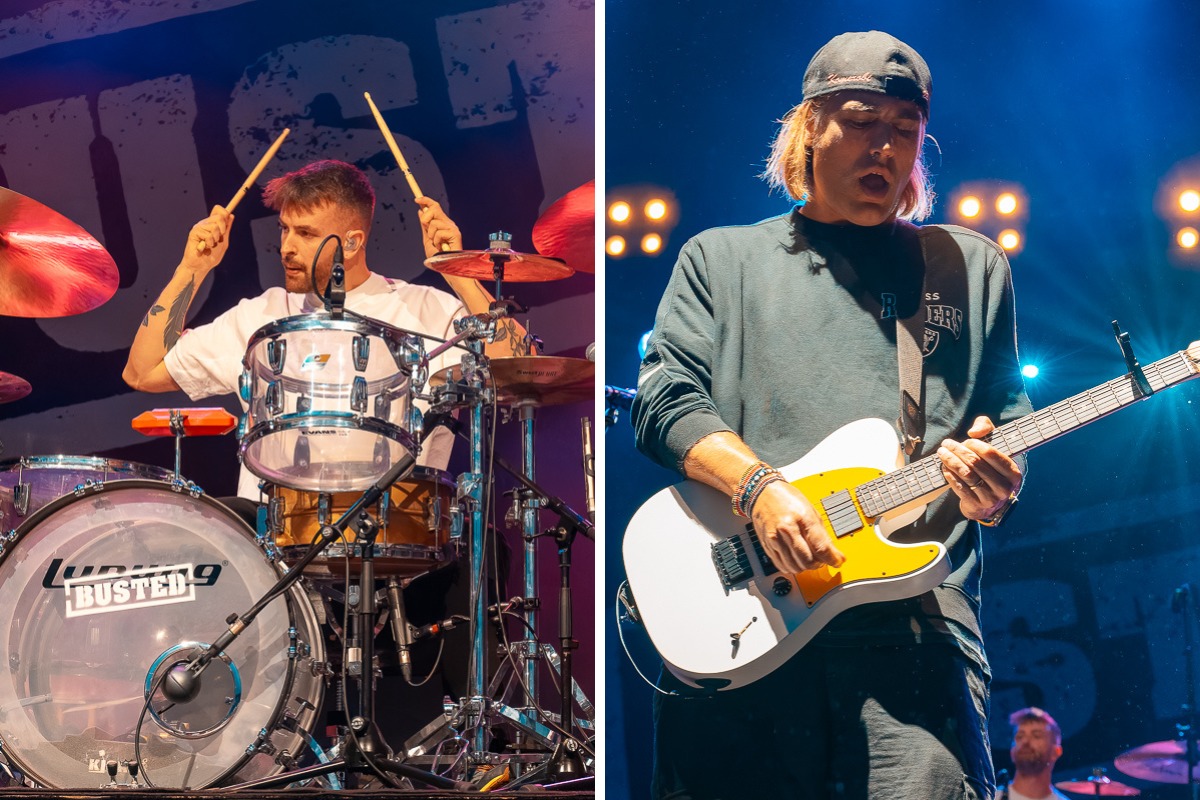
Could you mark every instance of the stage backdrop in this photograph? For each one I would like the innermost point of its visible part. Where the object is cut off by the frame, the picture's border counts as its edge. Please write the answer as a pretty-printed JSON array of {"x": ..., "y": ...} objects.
[
  {"x": 134, "y": 118},
  {"x": 1078, "y": 582}
]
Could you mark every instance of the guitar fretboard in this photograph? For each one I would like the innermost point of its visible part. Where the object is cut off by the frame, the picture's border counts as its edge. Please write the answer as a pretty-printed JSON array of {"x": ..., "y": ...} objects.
[{"x": 924, "y": 476}]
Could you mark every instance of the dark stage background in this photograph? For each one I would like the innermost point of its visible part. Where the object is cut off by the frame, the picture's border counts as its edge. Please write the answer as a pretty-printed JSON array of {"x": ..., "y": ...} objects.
[
  {"x": 134, "y": 119},
  {"x": 1086, "y": 105}
]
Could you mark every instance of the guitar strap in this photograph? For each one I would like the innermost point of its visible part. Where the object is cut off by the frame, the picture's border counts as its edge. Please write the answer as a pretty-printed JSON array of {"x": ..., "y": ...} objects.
[{"x": 910, "y": 346}]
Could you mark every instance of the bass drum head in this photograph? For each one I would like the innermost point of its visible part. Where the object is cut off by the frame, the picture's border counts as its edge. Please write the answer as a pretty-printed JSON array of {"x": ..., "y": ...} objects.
[{"x": 99, "y": 591}]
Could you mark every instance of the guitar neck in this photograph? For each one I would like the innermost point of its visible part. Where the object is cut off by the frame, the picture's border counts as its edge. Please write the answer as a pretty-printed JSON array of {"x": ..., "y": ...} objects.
[{"x": 924, "y": 477}]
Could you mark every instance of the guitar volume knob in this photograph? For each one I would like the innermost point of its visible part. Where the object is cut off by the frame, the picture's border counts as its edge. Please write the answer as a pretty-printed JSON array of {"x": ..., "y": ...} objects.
[{"x": 781, "y": 586}]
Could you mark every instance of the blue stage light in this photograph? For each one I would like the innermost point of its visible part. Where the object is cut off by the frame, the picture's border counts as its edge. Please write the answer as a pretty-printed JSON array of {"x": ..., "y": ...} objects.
[
  {"x": 645, "y": 340},
  {"x": 1030, "y": 370}
]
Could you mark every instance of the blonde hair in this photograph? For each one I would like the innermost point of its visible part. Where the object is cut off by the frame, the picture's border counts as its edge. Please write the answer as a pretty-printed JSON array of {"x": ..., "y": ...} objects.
[{"x": 789, "y": 167}]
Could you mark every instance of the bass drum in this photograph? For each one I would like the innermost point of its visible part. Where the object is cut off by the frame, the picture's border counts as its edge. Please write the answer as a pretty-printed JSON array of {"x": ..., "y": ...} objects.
[{"x": 105, "y": 591}]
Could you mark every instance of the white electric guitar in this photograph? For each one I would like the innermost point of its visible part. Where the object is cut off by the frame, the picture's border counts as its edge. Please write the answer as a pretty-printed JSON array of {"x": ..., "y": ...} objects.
[{"x": 718, "y": 611}]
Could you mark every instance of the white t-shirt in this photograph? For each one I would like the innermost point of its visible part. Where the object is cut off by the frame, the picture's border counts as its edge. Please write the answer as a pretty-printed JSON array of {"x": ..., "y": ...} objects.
[
  {"x": 1055, "y": 794},
  {"x": 207, "y": 360}
]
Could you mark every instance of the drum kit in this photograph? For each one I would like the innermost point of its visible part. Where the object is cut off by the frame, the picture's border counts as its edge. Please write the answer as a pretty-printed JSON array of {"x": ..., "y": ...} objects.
[{"x": 156, "y": 639}]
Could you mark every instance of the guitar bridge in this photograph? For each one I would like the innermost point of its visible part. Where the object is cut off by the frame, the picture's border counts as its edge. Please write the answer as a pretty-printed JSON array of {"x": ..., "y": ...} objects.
[{"x": 732, "y": 561}]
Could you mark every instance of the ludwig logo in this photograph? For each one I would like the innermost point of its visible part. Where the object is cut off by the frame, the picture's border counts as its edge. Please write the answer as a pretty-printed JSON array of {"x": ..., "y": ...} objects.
[{"x": 139, "y": 588}]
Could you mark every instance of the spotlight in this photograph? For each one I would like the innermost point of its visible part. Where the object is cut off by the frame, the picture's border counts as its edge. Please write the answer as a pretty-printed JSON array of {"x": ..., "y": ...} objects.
[
  {"x": 1006, "y": 203},
  {"x": 615, "y": 245},
  {"x": 1009, "y": 239},
  {"x": 656, "y": 209},
  {"x": 1189, "y": 200},
  {"x": 644, "y": 342},
  {"x": 970, "y": 206},
  {"x": 1187, "y": 238},
  {"x": 1030, "y": 370},
  {"x": 619, "y": 211},
  {"x": 651, "y": 243}
]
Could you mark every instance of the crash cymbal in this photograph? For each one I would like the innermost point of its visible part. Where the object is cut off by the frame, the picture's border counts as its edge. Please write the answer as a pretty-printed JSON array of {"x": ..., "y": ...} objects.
[
  {"x": 568, "y": 229},
  {"x": 1164, "y": 762},
  {"x": 534, "y": 380},
  {"x": 13, "y": 388},
  {"x": 1102, "y": 786},
  {"x": 49, "y": 266},
  {"x": 520, "y": 267}
]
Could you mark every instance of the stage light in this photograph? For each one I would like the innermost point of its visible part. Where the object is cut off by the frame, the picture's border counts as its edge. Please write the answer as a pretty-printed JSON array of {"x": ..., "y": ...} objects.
[
  {"x": 1189, "y": 200},
  {"x": 1030, "y": 370},
  {"x": 970, "y": 206},
  {"x": 619, "y": 211},
  {"x": 1009, "y": 239},
  {"x": 1187, "y": 238},
  {"x": 644, "y": 342},
  {"x": 615, "y": 245},
  {"x": 651, "y": 243},
  {"x": 656, "y": 209},
  {"x": 1006, "y": 203}
]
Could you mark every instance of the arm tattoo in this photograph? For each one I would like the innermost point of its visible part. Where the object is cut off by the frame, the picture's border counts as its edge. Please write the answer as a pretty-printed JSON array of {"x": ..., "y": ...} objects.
[
  {"x": 154, "y": 311},
  {"x": 507, "y": 331},
  {"x": 176, "y": 317}
]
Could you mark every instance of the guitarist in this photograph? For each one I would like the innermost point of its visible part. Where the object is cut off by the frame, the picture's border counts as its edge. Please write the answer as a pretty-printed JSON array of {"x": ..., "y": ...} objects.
[{"x": 770, "y": 337}]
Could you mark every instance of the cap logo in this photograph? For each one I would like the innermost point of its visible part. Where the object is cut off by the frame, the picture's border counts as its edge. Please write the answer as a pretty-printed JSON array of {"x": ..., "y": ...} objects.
[{"x": 866, "y": 76}]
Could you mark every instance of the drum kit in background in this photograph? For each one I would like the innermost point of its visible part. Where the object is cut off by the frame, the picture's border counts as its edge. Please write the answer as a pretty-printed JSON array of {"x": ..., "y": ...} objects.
[{"x": 155, "y": 639}]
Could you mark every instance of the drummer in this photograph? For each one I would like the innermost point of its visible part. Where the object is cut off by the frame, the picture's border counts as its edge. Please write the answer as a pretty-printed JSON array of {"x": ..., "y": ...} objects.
[
  {"x": 1036, "y": 747},
  {"x": 322, "y": 198}
]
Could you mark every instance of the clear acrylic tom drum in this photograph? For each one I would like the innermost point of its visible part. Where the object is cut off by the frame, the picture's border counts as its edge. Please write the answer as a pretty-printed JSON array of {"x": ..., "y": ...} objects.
[
  {"x": 106, "y": 589},
  {"x": 329, "y": 402}
]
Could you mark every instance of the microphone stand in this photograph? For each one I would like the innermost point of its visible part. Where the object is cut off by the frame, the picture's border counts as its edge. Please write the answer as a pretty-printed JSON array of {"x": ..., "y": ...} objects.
[
  {"x": 1183, "y": 600},
  {"x": 363, "y": 749}
]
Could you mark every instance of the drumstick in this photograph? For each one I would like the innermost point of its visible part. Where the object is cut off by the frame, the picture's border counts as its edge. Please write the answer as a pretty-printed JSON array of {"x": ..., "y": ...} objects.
[
  {"x": 251, "y": 178},
  {"x": 395, "y": 148}
]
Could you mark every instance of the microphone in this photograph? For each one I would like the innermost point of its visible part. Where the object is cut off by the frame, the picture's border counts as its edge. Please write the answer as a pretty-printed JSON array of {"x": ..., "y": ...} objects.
[
  {"x": 335, "y": 292},
  {"x": 621, "y": 398},
  {"x": 589, "y": 469},
  {"x": 181, "y": 684},
  {"x": 400, "y": 629},
  {"x": 590, "y": 353}
]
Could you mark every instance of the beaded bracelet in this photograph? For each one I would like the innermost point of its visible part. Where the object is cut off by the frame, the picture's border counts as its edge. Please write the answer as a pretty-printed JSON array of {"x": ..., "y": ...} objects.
[{"x": 753, "y": 481}]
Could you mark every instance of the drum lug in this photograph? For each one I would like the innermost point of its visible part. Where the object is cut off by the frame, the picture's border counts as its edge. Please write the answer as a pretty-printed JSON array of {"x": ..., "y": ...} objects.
[
  {"x": 276, "y": 354},
  {"x": 262, "y": 744},
  {"x": 358, "y": 395},
  {"x": 21, "y": 498},
  {"x": 303, "y": 404},
  {"x": 275, "y": 515},
  {"x": 273, "y": 398},
  {"x": 361, "y": 347}
]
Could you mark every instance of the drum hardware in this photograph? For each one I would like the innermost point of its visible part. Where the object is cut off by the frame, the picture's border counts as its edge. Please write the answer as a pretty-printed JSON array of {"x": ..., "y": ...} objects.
[
  {"x": 49, "y": 266},
  {"x": 499, "y": 263},
  {"x": 567, "y": 229}
]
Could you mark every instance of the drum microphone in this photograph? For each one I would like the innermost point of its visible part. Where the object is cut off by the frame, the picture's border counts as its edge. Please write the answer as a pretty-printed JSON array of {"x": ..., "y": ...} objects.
[
  {"x": 182, "y": 681},
  {"x": 335, "y": 291},
  {"x": 589, "y": 470},
  {"x": 401, "y": 631},
  {"x": 590, "y": 353}
]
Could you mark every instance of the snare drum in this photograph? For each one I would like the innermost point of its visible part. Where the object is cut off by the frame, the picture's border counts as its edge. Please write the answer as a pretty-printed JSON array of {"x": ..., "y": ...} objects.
[
  {"x": 107, "y": 589},
  {"x": 31, "y": 482},
  {"x": 414, "y": 525},
  {"x": 329, "y": 402}
]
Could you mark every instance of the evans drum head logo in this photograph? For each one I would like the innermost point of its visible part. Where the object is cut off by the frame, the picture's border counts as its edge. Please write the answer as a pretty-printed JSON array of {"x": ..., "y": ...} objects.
[{"x": 139, "y": 588}]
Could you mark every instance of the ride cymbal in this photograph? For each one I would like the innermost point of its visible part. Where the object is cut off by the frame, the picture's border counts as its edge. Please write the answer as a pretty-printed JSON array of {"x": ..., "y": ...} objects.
[
  {"x": 568, "y": 229},
  {"x": 534, "y": 380},
  {"x": 1164, "y": 762},
  {"x": 49, "y": 266},
  {"x": 518, "y": 268}
]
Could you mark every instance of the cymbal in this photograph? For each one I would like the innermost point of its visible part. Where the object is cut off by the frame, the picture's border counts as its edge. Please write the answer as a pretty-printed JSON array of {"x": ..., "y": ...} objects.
[
  {"x": 13, "y": 388},
  {"x": 1164, "y": 762},
  {"x": 568, "y": 228},
  {"x": 534, "y": 380},
  {"x": 520, "y": 267},
  {"x": 1102, "y": 786},
  {"x": 49, "y": 266}
]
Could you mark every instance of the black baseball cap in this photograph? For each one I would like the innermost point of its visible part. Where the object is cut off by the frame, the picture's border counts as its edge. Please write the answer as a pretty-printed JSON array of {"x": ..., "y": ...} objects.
[{"x": 873, "y": 61}]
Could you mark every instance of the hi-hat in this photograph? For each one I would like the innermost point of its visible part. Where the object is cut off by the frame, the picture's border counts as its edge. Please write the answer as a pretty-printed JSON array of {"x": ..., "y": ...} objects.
[
  {"x": 534, "y": 380},
  {"x": 1102, "y": 786},
  {"x": 518, "y": 268},
  {"x": 49, "y": 266},
  {"x": 568, "y": 229},
  {"x": 1165, "y": 762},
  {"x": 13, "y": 388}
]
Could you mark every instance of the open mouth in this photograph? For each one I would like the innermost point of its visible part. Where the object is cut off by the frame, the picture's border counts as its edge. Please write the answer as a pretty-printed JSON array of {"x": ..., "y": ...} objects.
[{"x": 874, "y": 184}]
